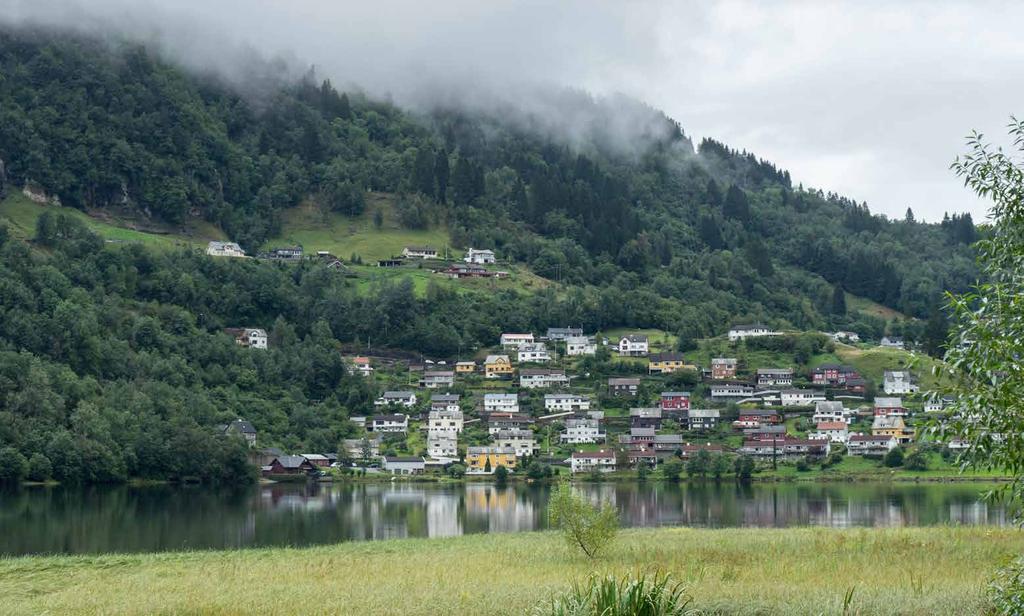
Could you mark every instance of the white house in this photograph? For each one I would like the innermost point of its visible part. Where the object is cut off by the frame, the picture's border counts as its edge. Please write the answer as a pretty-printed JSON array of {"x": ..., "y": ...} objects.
[
  {"x": 584, "y": 461},
  {"x": 556, "y": 334},
  {"x": 582, "y": 431},
  {"x": 224, "y": 249},
  {"x": 742, "y": 332},
  {"x": 398, "y": 398},
  {"x": 480, "y": 257},
  {"x": 534, "y": 378},
  {"x": 419, "y": 252},
  {"x": 725, "y": 391},
  {"x": 633, "y": 345},
  {"x": 434, "y": 379},
  {"x": 522, "y": 441},
  {"x": 835, "y": 431},
  {"x": 847, "y": 336},
  {"x": 388, "y": 423},
  {"x": 442, "y": 445},
  {"x": 801, "y": 397},
  {"x": 501, "y": 403},
  {"x": 444, "y": 402},
  {"x": 536, "y": 352},
  {"x": 774, "y": 377},
  {"x": 868, "y": 445},
  {"x": 566, "y": 402},
  {"x": 251, "y": 338},
  {"x": 892, "y": 342},
  {"x": 450, "y": 422},
  {"x": 514, "y": 341},
  {"x": 580, "y": 345},
  {"x": 898, "y": 382},
  {"x": 403, "y": 465},
  {"x": 830, "y": 411}
]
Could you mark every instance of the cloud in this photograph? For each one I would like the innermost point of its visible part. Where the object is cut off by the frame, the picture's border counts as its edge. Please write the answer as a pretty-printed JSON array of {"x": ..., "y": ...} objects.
[{"x": 868, "y": 99}]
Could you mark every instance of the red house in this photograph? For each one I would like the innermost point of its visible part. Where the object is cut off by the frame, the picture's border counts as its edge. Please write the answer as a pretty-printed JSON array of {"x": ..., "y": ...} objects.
[
  {"x": 675, "y": 400},
  {"x": 289, "y": 465},
  {"x": 833, "y": 374},
  {"x": 760, "y": 416}
]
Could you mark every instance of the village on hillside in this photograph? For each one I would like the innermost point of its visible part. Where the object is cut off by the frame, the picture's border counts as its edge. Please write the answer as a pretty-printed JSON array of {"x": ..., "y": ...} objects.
[{"x": 586, "y": 403}]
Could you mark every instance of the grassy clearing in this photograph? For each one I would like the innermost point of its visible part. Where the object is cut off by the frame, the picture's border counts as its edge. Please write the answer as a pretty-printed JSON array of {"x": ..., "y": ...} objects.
[
  {"x": 344, "y": 236},
  {"x": 872, "y": 362},
  {"x": 937, "y": 570},
  {"x": 21, "y": 214},
  {"x": 866, "y": 306},
  {"x": 659, "y": 340}
]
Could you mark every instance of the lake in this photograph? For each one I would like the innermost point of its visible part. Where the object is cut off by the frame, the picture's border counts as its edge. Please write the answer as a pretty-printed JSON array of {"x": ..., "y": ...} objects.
[{"x": 40, "y": 520}]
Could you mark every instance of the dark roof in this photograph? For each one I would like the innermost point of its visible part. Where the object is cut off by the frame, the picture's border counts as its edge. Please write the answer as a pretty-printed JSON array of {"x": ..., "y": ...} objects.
[
  {"x": 406, "y": 459},
  {"x": 239, "y": 425},
  {"x": 635, "y": 337},
  {"x": 291, "y": 461},
  {"x": 393, "y": 417},
  {"x": 624, "y": 381},
  {"x": 665, "y": 356}
]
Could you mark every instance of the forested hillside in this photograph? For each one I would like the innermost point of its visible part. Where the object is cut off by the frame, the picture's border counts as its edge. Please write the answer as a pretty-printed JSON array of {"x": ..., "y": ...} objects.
[{"x": 112, "y": 362}]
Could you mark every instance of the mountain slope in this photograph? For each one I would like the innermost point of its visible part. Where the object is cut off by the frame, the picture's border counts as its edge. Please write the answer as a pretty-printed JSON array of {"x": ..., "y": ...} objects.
[{"x": 615, "y": 198}]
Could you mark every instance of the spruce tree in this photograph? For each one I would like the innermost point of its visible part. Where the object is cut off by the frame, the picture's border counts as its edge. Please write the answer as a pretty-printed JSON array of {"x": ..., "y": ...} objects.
[{"x": 838, "y": 300}]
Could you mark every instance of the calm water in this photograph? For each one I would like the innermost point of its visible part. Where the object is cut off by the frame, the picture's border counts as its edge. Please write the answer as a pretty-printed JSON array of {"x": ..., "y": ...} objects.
[{"x": 143, "y": 519}]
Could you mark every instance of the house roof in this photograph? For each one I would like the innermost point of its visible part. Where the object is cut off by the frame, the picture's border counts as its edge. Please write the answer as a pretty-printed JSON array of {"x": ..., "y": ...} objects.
[
  {"x": 397, "y": 394},
  {"x": 787, "y": 371},
  {"x": 501, "y": 397},
  {"x": 704, "y": 413},
  {"x": 743, "y": 328},
  {"x": 438, "y": 374},
  {"x": 675, "y": 394},
  {"x": 444, "y": 398},
  {"x": 392, "y": 417},
  {"x": 828, "y": 405},
  {"x": 868, "y": 438},
  {"x": 239, "y": 425},
  {"x": 665, "y": 356},
  {"x": 604, "y": 455},
  {"x": 493, "y": 359},
  {"x": 290, "y": 461},
  {"x": 624, "y": 381},
  {"x": 668, "y": 439},
  {"x": 889, "y": 403},
  {"x": 718, "y": 361},
  {"x": 831, "y": 425},
  {"x": 540, "y": 372},
  {"x": 634, "y": 338},
  {"x": 403, "y": 459},
  {"x": 490, "y": 450},
  {"x": 760, "y": 413},
  {"x": 776, "y": 429},
  {"x": 641, "y": 431},
  {"x": 882, "y": 422},
  {"x": 420, "y": 249},
  {"x": 513, "y": 434}
]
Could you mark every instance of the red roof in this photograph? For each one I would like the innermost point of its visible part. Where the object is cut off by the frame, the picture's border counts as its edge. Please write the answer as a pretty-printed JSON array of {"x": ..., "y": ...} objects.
[{"x": 831, "y": 425}]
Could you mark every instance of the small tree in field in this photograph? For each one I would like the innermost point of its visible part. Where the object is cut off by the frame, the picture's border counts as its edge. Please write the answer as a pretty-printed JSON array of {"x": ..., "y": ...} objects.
[{"x": 585, "y": 526}]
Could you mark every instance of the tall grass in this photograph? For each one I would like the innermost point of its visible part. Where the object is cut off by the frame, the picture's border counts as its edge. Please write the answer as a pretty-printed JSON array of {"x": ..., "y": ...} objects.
[
  {"x": 938, "y": 570},
  {"x": 626, "y": 596}
]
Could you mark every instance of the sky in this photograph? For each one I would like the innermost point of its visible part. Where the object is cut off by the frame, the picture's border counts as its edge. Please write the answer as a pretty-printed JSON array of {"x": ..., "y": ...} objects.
[{"x": 868, "y": 99}]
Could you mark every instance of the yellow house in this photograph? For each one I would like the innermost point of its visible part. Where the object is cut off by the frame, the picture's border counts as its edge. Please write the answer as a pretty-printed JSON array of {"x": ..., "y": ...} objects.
[
  {"x": 666, "y": 362},
  {"x": 497, "y": 366},
  {"x": 478, "y": 459},
  {"x": 892, "y": 426},
  {"x": 465, "y": 367}
]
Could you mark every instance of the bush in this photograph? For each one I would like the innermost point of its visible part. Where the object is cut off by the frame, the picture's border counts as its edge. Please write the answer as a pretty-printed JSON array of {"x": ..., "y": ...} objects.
[
  {"x": 671, "y": 470},
  {"x": 894, "y": 458},
  {"x": 585, "y": 526},
  {"x": 13, "y": 465},
  {"x": 1006, "y": 590},
  {"x": 802, "y": 465},
  {"x": 39, "y": 467},
  {"x": 456, "y": 470},
  {"x": 609, "y": 596},
  {"x": 501, "y": 474},
  {"x": 916, "y": 461},
  {"x": 744, "y": 468}
]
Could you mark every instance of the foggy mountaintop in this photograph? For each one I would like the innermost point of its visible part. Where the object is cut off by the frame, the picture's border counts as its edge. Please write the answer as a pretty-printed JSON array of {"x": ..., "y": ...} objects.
[{"x": 741, "y": 73}]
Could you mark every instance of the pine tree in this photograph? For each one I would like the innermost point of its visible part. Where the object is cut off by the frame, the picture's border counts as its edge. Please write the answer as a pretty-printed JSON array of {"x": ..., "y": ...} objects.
[
  {"x": 838, "y": 300},
  {"x": 423, "y": 172},
  {"x": 909, "y": 216},
  {"x": 758, "y": 256},
  {"x": 710, "y": 232},
  {"x": 736, "y": 204},
  {"x": 441, "y": 175},
  {"x": 713, "y": 194}
]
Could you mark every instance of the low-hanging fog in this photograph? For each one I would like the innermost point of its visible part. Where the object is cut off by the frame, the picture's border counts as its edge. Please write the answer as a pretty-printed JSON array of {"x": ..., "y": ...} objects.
[{"x": 867, "y": 99}]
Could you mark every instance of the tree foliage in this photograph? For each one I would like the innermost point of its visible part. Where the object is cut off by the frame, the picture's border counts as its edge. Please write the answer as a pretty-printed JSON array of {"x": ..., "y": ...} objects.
[{"x": 589, "y": 528}]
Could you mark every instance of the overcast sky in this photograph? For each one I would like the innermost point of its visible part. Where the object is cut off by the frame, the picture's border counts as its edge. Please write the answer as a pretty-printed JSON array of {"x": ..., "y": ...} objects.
[{"x": 868, "y": 99}]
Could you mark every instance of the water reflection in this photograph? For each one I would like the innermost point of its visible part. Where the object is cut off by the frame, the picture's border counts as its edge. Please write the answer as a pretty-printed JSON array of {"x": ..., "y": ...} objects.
[{"x": 138, "y": 519}]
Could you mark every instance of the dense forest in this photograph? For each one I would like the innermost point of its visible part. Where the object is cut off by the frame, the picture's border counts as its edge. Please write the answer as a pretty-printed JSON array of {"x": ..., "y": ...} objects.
[{"x": 112, "y": 360}]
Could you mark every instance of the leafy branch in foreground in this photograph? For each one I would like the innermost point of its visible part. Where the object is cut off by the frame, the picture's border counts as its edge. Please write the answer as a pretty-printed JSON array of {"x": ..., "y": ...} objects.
[
  {"x": 627, "y": 596},
  {"x": 985, "y": 357},
  {"x": 585, "y": 526}
]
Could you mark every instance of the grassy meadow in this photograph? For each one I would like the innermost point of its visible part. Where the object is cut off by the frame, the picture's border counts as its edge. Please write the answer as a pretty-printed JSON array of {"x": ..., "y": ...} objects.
[
  {"x": 938, "y": 570},
  {"x": 21, "y": 215}
]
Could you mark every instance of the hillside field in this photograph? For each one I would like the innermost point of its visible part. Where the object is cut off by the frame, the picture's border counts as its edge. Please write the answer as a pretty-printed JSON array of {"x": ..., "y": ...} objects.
[{"x": 932, "y": 570}]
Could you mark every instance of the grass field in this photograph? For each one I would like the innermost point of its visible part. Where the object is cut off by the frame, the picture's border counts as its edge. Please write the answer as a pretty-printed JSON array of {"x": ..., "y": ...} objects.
[
  {"x": 344, "y": 236},
  {"x": 939, "y": 570},
  {"x": 872, "y": 362},
  {"x": 21, "y": 214}
]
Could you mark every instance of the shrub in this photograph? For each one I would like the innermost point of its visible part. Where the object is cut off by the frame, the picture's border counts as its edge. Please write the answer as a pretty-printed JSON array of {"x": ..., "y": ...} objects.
[
  {"x": 894, "y": 458},
  {"x": 916, "y": 461},
  {"x": 501, "y": 474},
  {"x": 802, "y": 465},
  {"x": 744, "y": 468},
  {"x": 456, "y": 470},
  {"x": 609, "y": 596},
  {"x": 1006, "y": 590},
  {"x": 39, "y": 467},
  {"x": 584, "y": 525},
  {"x": 671, "y": 470},
  {"x": 13, "y": 465}
]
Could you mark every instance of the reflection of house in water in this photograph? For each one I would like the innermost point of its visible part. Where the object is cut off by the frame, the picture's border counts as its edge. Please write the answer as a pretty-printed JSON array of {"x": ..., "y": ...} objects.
[
  {"x": 500, "y": 509},
  {"x": 443, "y": 515}
]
